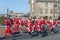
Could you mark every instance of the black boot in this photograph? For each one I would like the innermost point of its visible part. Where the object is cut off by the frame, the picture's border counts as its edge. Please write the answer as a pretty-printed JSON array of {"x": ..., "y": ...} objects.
[
  {"x": 29, "y": 33},
  {"x": 16, "y": 33}
]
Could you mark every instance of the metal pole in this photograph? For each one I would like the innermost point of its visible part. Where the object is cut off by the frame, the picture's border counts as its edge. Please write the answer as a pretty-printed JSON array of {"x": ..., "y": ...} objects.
[{"x": 7, "y": 12}]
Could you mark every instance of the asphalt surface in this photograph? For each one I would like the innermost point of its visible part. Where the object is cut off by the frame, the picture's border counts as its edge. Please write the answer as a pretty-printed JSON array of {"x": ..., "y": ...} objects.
[{"x": 26, "y": 36}]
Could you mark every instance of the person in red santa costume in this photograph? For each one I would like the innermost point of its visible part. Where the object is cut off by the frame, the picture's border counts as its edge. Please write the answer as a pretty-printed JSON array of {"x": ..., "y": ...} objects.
[
  {"x": 42, "y": 27},
  {"x": 55, "y": 23},
  {"x": 42, "y": 23},
  {"x": 29, "y": 26},
  {"x": 8, "y": 27},
  {"x": 50, "y": 22},
  {"x": 16, "y": 24},
  {"x": 21, "y": 22},
  {"x": 37, "y": 23},
  {"x": 37, "y": 26}
]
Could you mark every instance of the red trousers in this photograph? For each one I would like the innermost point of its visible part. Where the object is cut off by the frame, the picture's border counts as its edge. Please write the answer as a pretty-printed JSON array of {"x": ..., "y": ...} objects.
[
  {"x": 8, "y": 31},
  {"x": 16, "y": 28}
]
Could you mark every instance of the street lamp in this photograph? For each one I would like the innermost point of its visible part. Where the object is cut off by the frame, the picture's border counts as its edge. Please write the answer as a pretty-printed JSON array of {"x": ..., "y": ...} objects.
[{"x": 7, "y": 12}]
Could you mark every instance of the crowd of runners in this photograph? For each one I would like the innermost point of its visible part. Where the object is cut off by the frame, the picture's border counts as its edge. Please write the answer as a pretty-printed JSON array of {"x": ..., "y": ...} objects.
[{"x": 34, "y": 26}]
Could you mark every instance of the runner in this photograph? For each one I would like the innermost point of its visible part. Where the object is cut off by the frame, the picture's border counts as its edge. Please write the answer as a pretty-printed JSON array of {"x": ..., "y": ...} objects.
[{"x": 8, "y": 27}]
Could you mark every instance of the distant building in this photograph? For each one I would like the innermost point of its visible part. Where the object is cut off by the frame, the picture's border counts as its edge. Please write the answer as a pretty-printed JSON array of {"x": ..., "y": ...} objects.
[
  {"x": 2, "y": 15},
  {"x": 50, "y": 8},
  {"x": 12, "y": 14}
]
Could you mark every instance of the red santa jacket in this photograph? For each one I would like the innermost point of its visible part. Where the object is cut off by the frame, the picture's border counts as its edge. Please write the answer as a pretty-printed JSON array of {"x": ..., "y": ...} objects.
[
  {"x": 50, "y": 22},
  {"x": 42, "y": 22},
  {"x": 30, "y": 26},
  {"x": 27, "y": 22},
  {"x": 58, "y": 21},
  {"x": 21, "y": 22},
  {"x": 55, "y": 22},
  {"x": 16, "y": 20},
  {"x": 8, "y": 23}
]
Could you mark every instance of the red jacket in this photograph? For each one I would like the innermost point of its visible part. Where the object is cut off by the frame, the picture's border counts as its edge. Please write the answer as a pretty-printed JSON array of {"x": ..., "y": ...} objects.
[
  {"x": 8, "y": 23},
  {"x": 27, "y": 22},
  {"x": 29, "y": 26},
  {"x": 58, "y": 21},
  {"x": 50, "y": 22},
  {"x": 42, "y": 23},
  {"x": 21, "y": 22},
  {"x": 55, "y": 22},
  {"x": 16, "y": 20}
]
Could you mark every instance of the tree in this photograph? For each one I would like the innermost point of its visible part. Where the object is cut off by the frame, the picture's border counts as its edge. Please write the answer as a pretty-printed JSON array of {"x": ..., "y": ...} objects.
[{"x": 2, "y": 18}]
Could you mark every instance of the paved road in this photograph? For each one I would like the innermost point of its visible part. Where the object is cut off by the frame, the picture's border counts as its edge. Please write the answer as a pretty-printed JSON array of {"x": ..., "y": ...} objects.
[{"x": 26, "y": 36}]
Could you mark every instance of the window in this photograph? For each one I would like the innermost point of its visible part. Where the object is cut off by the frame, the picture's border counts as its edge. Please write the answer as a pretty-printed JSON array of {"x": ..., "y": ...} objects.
[
  {"x": 41, "y": 10},
  {"x": 51, "y": 11},
  {"x": 55, "y": 5},
  {"x": 46, "y": 4},
  {"x": 46, "y": 11}
]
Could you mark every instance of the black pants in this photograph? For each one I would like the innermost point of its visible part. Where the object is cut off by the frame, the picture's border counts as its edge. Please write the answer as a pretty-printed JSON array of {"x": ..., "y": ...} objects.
[
  {"x": 35, "y": 33},
  {"x": 16, "y": 33},
  {"x": 38, "y": 32},
  {"x": 54, "y": 30},
  {"x": 44, "y": 33},
  {"x": 30, "y": 33}
]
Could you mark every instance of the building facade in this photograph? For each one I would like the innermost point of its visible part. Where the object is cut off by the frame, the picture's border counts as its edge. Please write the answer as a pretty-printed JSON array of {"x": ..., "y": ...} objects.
[
  {"x": 12, "y": 14},
  {"x": 42, "y": 8}
]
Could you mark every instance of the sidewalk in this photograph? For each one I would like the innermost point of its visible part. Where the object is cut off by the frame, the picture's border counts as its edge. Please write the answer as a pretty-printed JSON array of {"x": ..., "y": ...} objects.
[{"x": 2, "y": 29}]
